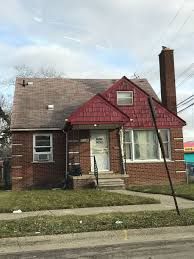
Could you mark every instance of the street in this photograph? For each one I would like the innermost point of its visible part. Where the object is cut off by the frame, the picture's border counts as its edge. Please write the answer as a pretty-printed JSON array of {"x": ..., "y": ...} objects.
[{"x": 147, "y": 250}]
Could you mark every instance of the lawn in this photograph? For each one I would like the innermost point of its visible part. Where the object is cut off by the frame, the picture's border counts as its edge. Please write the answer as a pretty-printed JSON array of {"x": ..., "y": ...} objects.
[
  {"x": 51, "y": 225},
  {"x": 60, "y": 199},
  {"x": 182, "y": 190}
]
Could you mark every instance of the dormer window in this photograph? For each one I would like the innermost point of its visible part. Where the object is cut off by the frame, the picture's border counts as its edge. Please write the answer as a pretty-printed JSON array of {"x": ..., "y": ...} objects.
[{"x": 124, "y": 97}]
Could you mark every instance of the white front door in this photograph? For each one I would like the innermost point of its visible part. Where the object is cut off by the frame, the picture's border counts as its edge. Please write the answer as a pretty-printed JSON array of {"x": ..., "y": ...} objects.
[{"x": 99, "y": 146}]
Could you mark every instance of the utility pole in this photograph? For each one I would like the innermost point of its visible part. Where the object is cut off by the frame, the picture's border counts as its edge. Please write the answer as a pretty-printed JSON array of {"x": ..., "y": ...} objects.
[{"x": 163, "y": 152}]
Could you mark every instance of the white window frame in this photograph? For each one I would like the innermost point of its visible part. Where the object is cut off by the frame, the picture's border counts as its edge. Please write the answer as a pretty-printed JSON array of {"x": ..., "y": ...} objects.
[
  {"x": 49, "y": 153},
  {"x": 130, "y": 143},
  {"x": 169, "y": 146},
  {"x": 148, "y": 160},
  {"x": 132, "y": 98}
]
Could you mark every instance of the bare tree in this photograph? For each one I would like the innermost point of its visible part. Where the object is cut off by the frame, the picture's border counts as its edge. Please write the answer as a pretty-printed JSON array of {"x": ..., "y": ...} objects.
[
  {"x": 29, "y": 72},
  {"x": 5, "y": 135},
  {"x": 43, "y": 72}
]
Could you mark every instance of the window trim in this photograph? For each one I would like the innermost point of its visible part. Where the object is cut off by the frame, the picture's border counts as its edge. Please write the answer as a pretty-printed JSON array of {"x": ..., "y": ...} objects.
[
  {"x": 132, "y": 97},
  {"x": 132, "y": 160},
  {"x": 169, "y": 146},
  {"x": 51, "y": 148}
]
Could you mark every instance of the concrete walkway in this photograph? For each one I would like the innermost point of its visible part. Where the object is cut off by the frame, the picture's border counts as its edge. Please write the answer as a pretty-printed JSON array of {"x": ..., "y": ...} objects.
[{"x": 167, "y": 203}]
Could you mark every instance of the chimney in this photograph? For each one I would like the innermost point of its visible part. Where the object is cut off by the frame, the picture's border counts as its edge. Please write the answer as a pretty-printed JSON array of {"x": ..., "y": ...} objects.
[{"x": 167, "y": 79}]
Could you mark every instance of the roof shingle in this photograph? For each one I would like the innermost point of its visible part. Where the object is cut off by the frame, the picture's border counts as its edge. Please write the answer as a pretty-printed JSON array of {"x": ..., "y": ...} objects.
[{"x": 31, "y": 102}]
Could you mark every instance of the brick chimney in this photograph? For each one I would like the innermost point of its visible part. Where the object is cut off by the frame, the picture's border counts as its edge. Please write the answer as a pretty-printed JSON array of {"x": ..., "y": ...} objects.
[{"x": 167, "y": 79}]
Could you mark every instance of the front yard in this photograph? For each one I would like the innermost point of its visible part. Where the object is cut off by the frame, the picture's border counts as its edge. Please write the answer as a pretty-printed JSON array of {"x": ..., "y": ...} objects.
[
  {"x": 51, "y": 225},
  {"x": 182, "y": 190},
  {"x": 59, "y": 199}
]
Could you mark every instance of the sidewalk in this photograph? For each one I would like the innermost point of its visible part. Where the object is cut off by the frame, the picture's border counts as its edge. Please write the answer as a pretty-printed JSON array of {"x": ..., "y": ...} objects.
[
  {"x": 142, "y": 237},
  {"x": 167, "y": 203}
]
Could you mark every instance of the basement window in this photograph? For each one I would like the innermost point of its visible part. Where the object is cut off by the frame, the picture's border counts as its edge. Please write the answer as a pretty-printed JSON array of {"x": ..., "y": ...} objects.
[
  {"x": 42, "y": 148},
  {"x": 124, "y": 97}
]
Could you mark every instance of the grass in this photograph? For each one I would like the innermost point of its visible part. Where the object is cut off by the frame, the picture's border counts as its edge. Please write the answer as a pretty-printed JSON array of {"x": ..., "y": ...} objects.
[
  {"x": 59, "y": 199},
  {"x": 182, "y": 190},
  {"x": 51, "y": 225}
]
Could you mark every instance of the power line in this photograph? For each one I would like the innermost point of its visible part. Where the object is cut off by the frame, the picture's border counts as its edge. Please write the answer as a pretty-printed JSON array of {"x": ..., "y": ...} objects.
[
  {"x": 177, "y": 13},
  {"x": 185, "y": 100},
  {"x": 185, "y": 71},
  {"x": 186, "y": 108},
  {"x": 185, "y": 79},
  {"x": 167, "y": 28},
  {"x": 178, "y": 31},
  {"x": 183, "y": 24}
]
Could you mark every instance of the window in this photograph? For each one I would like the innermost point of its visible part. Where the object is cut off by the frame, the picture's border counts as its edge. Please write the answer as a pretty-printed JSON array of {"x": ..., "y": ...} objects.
[
  {"x": 125, "y": 98},
  {"x": 128, "y": 144},
  {"x": 42, "y": 148},
  {"x": 166, "y": 142},
  {"x": 143, "y": 145}
]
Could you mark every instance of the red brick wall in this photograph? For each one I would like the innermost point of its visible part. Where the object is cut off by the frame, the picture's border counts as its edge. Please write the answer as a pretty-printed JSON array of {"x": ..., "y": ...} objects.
[
  {"x": 82, "y": 147},
  {"x": 155, "y": 173},
  {"x": 167, "y": 79},
  {"x": 25, "y": 173},
  {"x": 115, "y": 152}
]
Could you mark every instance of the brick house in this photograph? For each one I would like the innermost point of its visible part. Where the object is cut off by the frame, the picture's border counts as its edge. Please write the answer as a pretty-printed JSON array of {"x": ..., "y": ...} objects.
[{"x": 59, "y": 125}]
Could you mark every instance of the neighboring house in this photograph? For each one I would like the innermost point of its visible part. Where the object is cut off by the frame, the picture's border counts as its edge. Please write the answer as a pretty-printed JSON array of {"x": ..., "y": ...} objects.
[
  {"x": 59, "y": 125},
  {"x": 189, "y": 159},
  {"x": 189, "y": 151}
]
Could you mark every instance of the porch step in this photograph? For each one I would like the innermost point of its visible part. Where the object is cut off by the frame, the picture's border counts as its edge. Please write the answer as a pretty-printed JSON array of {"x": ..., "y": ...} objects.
[
  {"x": 111, "y": 183},
  {"x": 110, "y": 175}
]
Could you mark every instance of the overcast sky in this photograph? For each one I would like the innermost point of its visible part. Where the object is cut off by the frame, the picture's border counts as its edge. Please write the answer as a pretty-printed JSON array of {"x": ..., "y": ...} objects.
[{"x": 100, "y": 39}]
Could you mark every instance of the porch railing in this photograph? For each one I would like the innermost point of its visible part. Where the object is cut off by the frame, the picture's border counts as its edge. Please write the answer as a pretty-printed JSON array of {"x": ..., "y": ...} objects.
[{"x": 95, "y": 170}]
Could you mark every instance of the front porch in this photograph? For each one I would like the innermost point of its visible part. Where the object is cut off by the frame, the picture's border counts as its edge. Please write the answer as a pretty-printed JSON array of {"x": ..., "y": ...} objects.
[
  {"x": 93, "y": 138},
  {"x": 95, "y": 157},
  {"x": 105, "y": 181}
]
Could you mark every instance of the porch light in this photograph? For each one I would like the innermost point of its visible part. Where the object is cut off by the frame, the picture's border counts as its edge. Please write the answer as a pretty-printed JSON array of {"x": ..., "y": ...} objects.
[{"x": 95, "y": 125}]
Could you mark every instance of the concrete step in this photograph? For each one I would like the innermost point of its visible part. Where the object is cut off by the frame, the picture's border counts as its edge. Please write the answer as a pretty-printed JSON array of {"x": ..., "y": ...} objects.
[
  {"x": 110, "y": 176},
  {"x": 100, "y": 180},
  {"x": 112, "y": 187},
  {"x": 111, "y": 183}
]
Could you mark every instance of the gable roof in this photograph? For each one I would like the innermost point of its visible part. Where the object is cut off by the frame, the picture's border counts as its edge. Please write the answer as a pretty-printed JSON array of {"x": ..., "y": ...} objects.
[
  {"x": 98, "y": 110},
  {"x": 30, "y": 102}
]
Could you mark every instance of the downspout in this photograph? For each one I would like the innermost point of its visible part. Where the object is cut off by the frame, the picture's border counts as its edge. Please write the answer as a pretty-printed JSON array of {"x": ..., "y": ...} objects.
[
  {"x": 123, "y": 156},
  {"x": 66, "y": 156},
  {"x": 66, "y": 150}
]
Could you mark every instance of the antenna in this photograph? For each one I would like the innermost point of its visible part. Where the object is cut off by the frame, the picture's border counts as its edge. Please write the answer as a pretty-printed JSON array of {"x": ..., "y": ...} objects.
[{"x": 24, "y": 84}]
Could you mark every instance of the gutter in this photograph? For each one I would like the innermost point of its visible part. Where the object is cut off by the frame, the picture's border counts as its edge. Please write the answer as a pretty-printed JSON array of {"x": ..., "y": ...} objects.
[{"x": 66, "y": 156}]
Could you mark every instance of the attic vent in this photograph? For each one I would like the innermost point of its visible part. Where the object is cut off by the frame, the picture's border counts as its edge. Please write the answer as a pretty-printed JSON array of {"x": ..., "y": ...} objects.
[{"x": 50, "y": 107}]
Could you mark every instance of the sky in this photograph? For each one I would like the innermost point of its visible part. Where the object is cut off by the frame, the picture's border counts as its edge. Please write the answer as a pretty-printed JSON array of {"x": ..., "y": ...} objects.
[{"x": 100, "y": 39}]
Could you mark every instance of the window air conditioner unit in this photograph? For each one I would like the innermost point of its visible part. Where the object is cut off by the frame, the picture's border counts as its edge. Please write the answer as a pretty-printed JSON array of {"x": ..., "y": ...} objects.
[{"x": 43, "y": 157}]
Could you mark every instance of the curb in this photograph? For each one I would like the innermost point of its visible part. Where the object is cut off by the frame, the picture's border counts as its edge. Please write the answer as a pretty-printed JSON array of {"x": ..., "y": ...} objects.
[{"x": 93, "y": 239}]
